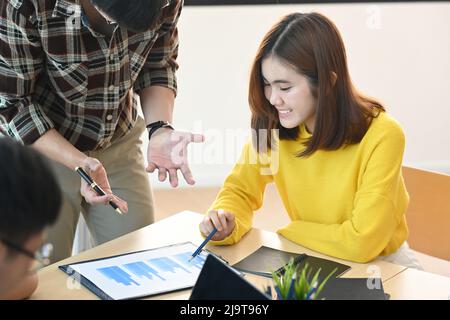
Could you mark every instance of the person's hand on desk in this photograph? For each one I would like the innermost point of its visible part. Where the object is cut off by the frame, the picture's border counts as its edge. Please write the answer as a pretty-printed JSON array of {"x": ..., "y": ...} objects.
[{"x": 223, "y": 221}]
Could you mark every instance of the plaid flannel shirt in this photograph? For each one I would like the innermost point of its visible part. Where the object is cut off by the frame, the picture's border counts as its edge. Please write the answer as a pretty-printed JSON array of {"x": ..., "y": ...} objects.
[{"x": 57, "y": 72}]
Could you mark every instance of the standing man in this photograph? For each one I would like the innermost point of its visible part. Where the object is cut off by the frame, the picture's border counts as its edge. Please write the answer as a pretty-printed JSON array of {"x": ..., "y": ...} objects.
[{"x": 71, "y": 73}]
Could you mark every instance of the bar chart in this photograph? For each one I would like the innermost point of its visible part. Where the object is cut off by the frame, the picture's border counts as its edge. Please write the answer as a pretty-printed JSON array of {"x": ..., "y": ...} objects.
[
  {"x": 197, "y": 262},
  {"x": 153, "y": 268},
  {"x": 118, "y": 275},
  {"x": 144, "y": 273},
  {"x": 140, "y": 269}
]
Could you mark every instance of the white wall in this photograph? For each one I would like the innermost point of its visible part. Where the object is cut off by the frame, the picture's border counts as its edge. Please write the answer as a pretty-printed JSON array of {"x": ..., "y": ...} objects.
[{"x": 398, "y": 53}]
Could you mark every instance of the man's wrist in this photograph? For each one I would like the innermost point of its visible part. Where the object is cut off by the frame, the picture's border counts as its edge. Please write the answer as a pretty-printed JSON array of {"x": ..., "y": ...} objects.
[
  {"x": 154, "y": 126},
  {"x": 80, "y": 161}
]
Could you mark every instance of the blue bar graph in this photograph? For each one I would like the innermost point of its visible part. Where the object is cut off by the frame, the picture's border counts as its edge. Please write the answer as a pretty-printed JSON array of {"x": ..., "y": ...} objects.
[
  {"x": 141, "y": 269},
  {"x": 184, "y": 257},
  {"x": 118, "y": 275},
  {"x": 167, "y": 264}
]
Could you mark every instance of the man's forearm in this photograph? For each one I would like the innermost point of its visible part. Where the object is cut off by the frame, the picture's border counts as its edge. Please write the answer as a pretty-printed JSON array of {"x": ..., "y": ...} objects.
[
  {"x": 56, "y": 147},
  {"x": 157, "y": 104}
]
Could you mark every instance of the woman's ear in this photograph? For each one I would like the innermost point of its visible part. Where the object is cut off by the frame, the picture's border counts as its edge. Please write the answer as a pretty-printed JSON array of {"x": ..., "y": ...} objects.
[{"x": 333, "y": 78}]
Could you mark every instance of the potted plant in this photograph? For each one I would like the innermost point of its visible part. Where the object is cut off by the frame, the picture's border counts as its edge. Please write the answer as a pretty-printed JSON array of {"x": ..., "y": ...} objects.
[{"x": 293, "y": 283}]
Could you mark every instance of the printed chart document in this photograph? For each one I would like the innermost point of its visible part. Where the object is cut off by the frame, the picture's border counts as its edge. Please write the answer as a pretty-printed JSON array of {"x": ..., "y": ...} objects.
[{"x": 140, "y": 274}]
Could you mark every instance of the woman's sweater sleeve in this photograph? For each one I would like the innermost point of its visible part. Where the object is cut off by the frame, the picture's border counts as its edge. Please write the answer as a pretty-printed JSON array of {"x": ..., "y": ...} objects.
[{"x": 243, "y": 192}]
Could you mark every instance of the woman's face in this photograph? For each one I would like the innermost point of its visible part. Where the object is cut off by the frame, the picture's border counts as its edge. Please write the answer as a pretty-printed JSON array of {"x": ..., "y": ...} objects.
[{"x": 289, "y": 93}]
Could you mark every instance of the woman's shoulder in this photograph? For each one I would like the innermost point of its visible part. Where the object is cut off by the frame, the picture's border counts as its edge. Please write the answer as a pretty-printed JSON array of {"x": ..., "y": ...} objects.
[
  {"x": 386, "y": 123},
  {"x": 385, "y": 126}
]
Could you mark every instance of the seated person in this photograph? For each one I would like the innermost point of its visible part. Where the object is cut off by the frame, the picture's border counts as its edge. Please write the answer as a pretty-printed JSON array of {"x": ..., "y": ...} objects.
[
  {"x": 30, "y": 200},
  {"x": 334, "y": 154}
]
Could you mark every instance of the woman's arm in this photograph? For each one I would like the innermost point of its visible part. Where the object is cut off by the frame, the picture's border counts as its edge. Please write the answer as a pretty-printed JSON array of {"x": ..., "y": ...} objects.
[{"x": 242, "y": 193}]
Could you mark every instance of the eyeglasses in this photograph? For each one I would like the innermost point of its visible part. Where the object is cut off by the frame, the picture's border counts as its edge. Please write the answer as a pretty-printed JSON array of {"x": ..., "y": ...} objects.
[{"x": 42, "y": 255}]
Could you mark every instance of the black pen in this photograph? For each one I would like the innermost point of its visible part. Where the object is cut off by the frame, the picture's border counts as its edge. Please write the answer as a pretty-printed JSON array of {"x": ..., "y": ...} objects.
[{"x": 95, "y": 186}]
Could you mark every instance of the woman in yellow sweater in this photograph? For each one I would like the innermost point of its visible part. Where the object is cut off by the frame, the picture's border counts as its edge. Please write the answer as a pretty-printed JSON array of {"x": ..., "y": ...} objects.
[{"x": 333, "y": 153}]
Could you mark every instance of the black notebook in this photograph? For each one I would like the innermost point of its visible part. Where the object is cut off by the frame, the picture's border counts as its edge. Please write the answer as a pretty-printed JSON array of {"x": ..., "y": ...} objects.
[
  {"x": 265, "y": 260},
  {"x": 353, "y": 289}
]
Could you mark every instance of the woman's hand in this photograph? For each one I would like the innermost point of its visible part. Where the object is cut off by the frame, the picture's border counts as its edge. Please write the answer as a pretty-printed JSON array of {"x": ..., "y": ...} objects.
[{"x": 223, "y": 221}]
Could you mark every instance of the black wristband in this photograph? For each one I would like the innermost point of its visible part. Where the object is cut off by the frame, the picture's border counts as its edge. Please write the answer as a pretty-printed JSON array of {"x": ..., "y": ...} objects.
[{"x": 157, "y": 125}]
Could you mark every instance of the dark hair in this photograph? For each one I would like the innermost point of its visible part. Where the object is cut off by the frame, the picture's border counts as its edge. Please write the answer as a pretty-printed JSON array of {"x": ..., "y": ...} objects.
[
  {"x": 30, "y": 197},
  {"x": 311, "y": 43},
  {"x": 135, "y": 15}
]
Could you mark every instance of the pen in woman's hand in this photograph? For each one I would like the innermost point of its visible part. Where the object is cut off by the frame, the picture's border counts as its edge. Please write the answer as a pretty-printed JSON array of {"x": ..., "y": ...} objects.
[{"x": 203, "y": 244}]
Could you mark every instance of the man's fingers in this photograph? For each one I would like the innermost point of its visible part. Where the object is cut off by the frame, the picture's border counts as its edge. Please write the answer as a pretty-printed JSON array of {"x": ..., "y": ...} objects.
[
  {"x": 169, "y": 155},
  {"x": 151, "y": 167},
  {"x": 122, "y": 204},
  {"x": 187, "y": 174},
  {"x": 88, "y": 193},
  {"x": 196, "y": 138},
  {"x": 162, "y": 174},
  {"x": 93, "y": 199},
  {"x": 173, "y": 177}
]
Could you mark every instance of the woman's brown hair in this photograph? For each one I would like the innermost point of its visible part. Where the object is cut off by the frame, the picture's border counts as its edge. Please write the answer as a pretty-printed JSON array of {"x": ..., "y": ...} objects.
[{"x": 311, "y": 43}]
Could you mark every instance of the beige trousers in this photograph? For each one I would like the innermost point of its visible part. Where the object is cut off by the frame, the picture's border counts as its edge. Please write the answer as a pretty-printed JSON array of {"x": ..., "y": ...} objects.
[{"x": 124, "y": 164}]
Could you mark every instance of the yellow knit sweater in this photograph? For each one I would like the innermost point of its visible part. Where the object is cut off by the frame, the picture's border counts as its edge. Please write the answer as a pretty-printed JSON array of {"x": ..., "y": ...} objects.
[{"x": 349, "y": 203}]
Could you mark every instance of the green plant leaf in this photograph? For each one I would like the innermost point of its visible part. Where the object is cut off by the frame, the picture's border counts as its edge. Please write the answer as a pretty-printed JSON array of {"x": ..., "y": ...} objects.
[
  {"x": 296, "y": 283},
  {"x": 319, "y": 289}
]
